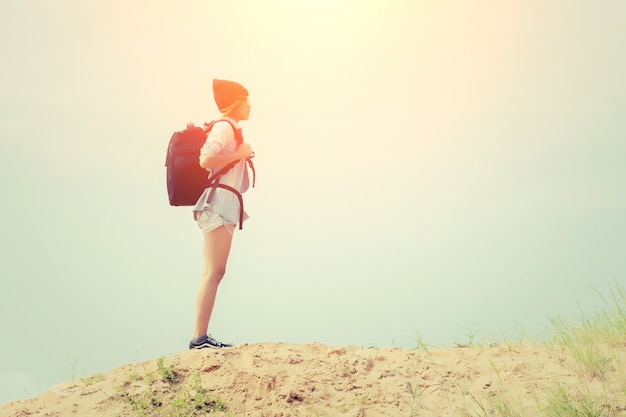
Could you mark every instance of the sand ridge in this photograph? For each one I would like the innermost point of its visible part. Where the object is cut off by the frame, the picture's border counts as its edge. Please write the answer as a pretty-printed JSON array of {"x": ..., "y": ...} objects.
[{"x": 282, "y": 380}]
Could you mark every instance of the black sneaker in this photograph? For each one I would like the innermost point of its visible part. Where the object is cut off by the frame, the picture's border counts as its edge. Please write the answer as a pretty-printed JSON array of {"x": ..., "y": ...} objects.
[{"x": 207, "y": 342}]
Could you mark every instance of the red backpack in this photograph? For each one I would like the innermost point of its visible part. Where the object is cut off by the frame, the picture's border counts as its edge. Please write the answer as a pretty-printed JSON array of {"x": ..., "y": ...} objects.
[{"x": 186, "y": 179}]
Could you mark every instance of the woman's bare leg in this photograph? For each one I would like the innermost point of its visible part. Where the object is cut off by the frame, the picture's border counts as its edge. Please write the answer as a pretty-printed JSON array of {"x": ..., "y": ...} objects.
[{"x": 217, "y": 244}]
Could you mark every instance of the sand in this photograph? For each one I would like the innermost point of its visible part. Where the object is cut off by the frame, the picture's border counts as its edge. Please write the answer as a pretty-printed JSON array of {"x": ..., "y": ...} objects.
[{"x": 279, "y": 379}]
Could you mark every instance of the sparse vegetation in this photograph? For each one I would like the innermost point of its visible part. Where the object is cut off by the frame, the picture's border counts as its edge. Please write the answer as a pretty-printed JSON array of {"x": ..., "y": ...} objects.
[
  {"x": 353, "y": 403},
  {"x": 495, "y": 407},
  {"x": 167, "y": 371},
  {"x": 420, "y": 344},
  {"x": 93, "y": 379},
  {"x": 590, "y": 345},
  {"x": 172, "y": 400},
  {"x": 565, "y": 403},
  {"x": 591, "y": 340},
  {"x": 72, "y": 370},
  {"x": 415, "y": 392}
]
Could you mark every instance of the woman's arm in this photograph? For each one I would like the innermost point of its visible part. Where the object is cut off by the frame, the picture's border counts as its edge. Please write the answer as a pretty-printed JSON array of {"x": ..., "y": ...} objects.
[{"x": 214, "y": 161}]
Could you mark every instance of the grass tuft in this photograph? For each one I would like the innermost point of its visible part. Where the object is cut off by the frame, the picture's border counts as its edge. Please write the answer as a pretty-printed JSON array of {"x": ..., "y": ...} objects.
[
  {"x": 590, "y": 345},
  {"x": 591, "y": 340},
  {"x": 177, "y": 399}
]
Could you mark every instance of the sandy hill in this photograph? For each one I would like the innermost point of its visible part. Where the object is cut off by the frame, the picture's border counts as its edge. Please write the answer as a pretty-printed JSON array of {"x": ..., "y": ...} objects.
[{"x": 318, "y": 380}]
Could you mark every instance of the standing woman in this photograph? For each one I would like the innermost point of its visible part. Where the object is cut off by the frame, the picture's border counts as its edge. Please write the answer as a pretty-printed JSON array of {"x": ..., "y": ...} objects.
[{"x": 217, "y": 209}]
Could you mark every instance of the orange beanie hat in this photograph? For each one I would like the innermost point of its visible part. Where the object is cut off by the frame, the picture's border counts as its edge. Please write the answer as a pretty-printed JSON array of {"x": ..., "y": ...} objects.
[{"x": 226, "y": 93}]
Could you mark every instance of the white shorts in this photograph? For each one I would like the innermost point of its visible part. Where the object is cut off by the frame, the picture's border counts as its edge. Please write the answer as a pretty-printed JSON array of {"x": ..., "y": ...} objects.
[{"x": 209, "y": 221}]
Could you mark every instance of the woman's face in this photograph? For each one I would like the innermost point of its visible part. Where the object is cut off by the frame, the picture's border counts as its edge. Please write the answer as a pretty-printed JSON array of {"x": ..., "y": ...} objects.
[{"x": 241, "y": 111}]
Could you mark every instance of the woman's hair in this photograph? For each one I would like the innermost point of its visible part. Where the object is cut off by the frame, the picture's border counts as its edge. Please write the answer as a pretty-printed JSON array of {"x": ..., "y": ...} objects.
[{"x": 230, "y": 108}]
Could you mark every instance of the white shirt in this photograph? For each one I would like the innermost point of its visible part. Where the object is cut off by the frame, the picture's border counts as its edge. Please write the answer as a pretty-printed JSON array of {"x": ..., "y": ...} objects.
[{"x": 221, "y": 141}]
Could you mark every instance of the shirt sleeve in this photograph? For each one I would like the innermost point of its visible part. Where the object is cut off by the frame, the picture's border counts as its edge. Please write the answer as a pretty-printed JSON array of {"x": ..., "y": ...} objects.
[{"x": 219, "y": 137}]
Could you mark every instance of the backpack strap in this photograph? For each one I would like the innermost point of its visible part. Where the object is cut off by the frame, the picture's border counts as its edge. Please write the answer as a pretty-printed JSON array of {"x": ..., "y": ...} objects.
[
  {"x": 237, "y": 131},
  {"x": 234, "y": 191},
  {"x": 239, "y": 141}
]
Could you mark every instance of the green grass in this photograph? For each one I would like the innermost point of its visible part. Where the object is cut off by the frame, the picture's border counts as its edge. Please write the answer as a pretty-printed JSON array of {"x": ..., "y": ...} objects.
[
  {"x": 179, "y": 399},
  {"x": 495, "y": 407},
  {"x": 92, "y": 379},
  {"x": 566, "y": 403},
  {"x": 591, "y": 344},
  {"x": 591, "y": 339},
  {"x": 168, "y": 374}
]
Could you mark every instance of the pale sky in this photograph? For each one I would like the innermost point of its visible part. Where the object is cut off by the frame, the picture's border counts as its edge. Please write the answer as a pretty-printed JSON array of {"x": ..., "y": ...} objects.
[{"x": 442, "y": 170}]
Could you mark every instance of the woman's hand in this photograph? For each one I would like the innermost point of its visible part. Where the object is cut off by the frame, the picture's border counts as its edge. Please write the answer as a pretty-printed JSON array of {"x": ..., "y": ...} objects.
[{"x": 244, "y": 151}]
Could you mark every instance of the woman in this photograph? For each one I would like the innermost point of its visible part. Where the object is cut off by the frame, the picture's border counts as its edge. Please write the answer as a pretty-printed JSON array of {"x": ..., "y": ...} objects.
[{"x": 217, "y": 210}]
